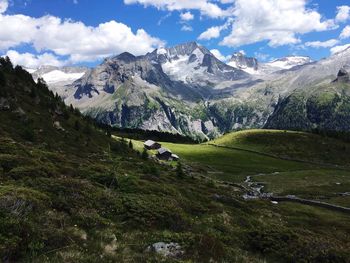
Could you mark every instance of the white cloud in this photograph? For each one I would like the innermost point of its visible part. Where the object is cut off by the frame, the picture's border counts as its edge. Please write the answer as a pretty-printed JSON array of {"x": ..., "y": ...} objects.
[
  {"x": 343, "y": 13},
  {"x": 34, "y": 61},
  {"x": 277, "y": 21},
  {"x": 186, "y": 16},
  {"x": 345, "y": 33},
  {"x": 220, "y": 56},
  {"x": 73, "y": 39},
  {"x": 186, "y": 28},
  {"x": 337, "y": 49},
  {"x": 4, "y": 4},
  {"x": 212, "y": 32},
  {"x": 215, "y": 31},
  {"x": 206, "y": 7},
  {"x": 322, "y": 44}
]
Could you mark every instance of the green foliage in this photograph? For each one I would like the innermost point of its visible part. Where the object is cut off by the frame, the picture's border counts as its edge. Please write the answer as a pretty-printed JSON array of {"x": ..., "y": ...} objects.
[
  {"x": 144, "y": 154},
  {"x": 3, "y": 82},
  {"x": 28, "y": 134},
  {"x": 179, "y": 171}
]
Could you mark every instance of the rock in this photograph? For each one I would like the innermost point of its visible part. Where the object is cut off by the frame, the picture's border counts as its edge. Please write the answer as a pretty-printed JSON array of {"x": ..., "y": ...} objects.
[
  {"x": 57, "y": 126},
  {"x": 166, "y": 249},
  {"x": 4, "y": 104},
  {"x": 343, "y": 75},
  {"x": 112, "y": 246}
]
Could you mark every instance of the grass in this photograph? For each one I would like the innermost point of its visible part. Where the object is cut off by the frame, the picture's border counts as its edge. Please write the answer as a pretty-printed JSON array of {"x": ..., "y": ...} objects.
[
  {"x": 304, "y": 178},
  {"x": 290, "y": 144}
]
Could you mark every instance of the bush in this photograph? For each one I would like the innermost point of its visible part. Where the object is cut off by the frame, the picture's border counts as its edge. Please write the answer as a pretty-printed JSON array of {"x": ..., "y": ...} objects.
[
  {"x": 179, "y": 171},
  {"x": 28, "y": 134},
  {"x": 144, "y": 154}
]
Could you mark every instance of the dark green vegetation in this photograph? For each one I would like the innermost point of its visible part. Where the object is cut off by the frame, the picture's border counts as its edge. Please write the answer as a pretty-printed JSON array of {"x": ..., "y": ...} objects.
[
  {"x": 69, "y": 193},
  {"x": 138, "y": 134},
  {"x": 325, "y": 108}
]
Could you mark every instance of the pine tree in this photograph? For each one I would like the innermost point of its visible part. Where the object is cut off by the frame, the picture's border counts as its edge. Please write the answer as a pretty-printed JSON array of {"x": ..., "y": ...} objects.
[{"x": 77, "y": 125}]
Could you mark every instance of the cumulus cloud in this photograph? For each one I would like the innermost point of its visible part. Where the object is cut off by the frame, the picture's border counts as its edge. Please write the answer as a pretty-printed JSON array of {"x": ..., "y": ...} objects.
[
  {"x": 278, "y": 22},
  {"x": 343, "y": 13},
  {"x": 206, "y": 7},
  {"x": 212, "y": 32},
  {"x": 220, "y": 56},
  {"x": 29, "y": 60},
  {"x": 322, "y": 44},
  {"x": 337, "y": 49},
  {"x": 4, "y": 4},
  {"x": 345, "y": 33},
  {"x": 186, "y": 16},
  {"x": 73, "y": 39},
  {"x": 186, "y": 28},
  {"x": 215, "y": 31}
]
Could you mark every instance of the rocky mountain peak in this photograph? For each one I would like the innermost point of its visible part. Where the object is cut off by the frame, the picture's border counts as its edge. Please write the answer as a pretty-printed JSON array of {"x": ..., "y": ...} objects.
[
  {"x": 241, "y": 61},
  {"x": 343, "y": 75},
  {"x": 125, "y": 57}
]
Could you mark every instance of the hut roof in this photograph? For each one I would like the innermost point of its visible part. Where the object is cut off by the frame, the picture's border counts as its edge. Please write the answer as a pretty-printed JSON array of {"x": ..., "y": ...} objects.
[
  {"x": 163, "y": 150},
  {"x": 149, "y": 143},
  {"x": 175, "y": 156}
]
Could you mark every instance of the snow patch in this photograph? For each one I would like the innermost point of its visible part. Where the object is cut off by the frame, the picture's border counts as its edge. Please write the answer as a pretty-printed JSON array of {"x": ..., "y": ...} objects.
[
  {"x": 60, "y": 76},
  {"x": 289, "y": 62},
  {"x": 162, "y": 51}
]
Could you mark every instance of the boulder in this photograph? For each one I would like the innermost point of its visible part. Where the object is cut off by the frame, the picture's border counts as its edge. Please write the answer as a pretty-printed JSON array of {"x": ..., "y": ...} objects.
[
  {"x": 57, "y": 126},
  {"x": 167, "y": 249},
  {"x": 4, "y": 104}
]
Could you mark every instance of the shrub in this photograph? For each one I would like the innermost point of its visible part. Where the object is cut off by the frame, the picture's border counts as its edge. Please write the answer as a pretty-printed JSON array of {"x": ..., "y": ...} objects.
[
  {"x": 144, "y": 154},
  {"x": 179, "y": 171},
  {"x": 28, "y": 134}
]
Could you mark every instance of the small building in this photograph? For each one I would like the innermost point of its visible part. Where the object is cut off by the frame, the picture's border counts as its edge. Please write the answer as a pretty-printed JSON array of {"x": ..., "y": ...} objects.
[
  {"x": 164, "y": 154},
  {"x": 152, "y": 145},
  {"x": 175, "y": 157}
]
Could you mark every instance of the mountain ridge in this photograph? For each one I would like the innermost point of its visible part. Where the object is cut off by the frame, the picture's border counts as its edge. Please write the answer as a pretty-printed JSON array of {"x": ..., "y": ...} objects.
[{"x": 185, "y": 89}]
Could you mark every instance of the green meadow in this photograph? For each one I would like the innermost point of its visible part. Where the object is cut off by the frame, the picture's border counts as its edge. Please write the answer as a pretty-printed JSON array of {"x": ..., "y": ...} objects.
[{"x": 285, "y": 162}]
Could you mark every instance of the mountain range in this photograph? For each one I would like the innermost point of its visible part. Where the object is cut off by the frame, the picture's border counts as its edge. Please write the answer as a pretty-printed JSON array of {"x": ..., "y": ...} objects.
[{"x": 185, "y": 89}]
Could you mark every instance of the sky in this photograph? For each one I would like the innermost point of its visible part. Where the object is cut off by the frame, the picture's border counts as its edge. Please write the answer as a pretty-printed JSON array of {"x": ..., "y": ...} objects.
[{"x": 84, "y": 32}]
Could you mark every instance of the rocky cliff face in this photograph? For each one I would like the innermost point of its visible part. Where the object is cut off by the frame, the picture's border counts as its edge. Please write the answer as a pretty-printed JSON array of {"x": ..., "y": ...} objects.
[{"x": 248, "y": 64}]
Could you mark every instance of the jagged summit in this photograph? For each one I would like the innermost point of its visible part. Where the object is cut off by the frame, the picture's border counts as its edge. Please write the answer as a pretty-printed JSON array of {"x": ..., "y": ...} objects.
[
  {"x": 126, "y": 57},
  {"x": 241, "y": 61}
]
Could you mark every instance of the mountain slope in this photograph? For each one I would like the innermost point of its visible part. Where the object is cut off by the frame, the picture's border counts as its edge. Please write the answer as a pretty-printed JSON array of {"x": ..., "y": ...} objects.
[{"x": 69, "y": 193}]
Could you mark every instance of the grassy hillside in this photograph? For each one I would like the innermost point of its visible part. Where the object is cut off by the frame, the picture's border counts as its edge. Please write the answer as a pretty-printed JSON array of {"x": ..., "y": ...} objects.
[
  {"x": 290, "y": 144},
  {"x": 285, "y": 162},
  {"x": 69, "y": 193},
  {"x": 325, "y": 108}
]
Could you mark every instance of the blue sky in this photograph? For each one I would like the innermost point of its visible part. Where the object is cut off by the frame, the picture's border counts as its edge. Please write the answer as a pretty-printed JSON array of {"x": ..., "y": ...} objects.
[{"x": 83, "y": 32}]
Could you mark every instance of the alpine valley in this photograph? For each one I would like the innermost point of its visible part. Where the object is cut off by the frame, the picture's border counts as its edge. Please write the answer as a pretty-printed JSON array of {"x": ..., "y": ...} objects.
[{"x": 185, "y": 89}]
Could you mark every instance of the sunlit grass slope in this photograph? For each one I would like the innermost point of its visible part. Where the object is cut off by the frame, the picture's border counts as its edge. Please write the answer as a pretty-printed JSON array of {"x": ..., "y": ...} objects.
[{"x": 290, "y": 144}]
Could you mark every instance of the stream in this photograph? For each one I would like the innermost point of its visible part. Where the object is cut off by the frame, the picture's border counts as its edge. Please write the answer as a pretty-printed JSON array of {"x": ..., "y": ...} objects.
[{"x": 256, "y": 190}]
